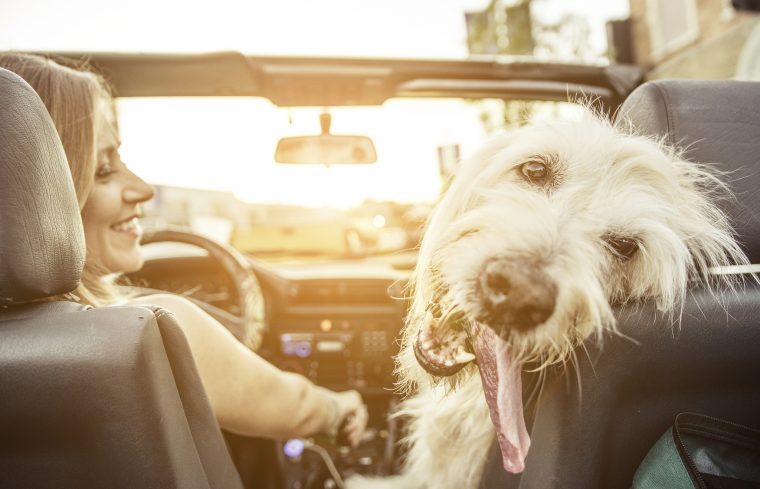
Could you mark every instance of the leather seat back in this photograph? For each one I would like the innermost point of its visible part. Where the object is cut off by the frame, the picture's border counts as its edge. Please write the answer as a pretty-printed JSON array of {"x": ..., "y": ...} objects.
[{"x": 105, "y": 397}]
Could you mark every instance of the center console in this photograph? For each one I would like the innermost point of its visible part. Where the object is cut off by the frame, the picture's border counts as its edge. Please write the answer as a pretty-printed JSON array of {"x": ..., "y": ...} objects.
[
  {"x": 340, "y": 352},
  {"x": 341, "y": 345}
]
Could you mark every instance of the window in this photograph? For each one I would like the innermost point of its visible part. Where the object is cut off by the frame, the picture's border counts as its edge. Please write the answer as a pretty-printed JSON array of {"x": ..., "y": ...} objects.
[{"x": 673, "y": 24}]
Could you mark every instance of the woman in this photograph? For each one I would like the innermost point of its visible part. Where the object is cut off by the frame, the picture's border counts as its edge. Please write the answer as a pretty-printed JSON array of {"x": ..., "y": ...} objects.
[{"x": 248, "y": 395}]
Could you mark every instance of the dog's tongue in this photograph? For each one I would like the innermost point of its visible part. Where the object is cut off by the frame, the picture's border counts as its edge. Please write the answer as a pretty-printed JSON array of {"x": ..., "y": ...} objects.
[{"x": 503, "y": 388}]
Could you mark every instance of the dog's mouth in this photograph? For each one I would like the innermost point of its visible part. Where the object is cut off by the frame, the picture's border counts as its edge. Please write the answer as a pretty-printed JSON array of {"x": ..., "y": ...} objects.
[
  {"x": 447, "y": 342},
  {"x": 442, "y": 345}
]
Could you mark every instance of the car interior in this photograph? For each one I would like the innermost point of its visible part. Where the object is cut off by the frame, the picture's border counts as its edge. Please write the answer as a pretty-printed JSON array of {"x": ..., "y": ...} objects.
[{"x": 76, "y": 410}]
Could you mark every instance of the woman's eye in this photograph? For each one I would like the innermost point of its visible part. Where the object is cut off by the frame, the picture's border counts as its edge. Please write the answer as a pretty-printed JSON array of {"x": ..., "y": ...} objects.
[
  {"x": 108, "y": 162},
  {"x": 624, "y": 248},
  {"x": 104, "y": 169},
  {"x": 535, "y": 171}
]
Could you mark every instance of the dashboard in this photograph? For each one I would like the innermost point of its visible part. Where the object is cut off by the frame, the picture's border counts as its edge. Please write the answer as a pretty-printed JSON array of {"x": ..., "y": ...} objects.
[{"x": 339, "y": 332}]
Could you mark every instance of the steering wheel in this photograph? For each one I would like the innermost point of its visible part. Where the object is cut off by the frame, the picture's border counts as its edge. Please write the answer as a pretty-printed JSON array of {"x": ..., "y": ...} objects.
[{"x": 248, "y": 326}]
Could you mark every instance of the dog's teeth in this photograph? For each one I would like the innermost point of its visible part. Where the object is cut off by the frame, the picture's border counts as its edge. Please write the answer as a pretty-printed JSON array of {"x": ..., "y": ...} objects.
[
  {"x": 430, "y": 321},
  {"x": 464, "y": 356},
  {"x": 427, "y": 344},
  {"x": 449, "y": 363}
]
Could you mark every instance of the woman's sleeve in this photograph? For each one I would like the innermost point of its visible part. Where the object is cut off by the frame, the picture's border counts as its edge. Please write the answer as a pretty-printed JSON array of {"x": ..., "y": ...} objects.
[{"x": 248, "y": 394}]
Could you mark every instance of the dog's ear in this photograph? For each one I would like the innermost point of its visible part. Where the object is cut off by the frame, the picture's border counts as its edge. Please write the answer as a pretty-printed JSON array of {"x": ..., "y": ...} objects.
[
  {"x": 686, "y": 233},
  {"x": 704, "y": 226}
]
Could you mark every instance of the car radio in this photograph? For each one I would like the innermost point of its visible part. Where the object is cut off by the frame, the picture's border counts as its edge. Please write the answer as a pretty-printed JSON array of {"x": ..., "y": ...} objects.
[{"x": 340, "y": 352}]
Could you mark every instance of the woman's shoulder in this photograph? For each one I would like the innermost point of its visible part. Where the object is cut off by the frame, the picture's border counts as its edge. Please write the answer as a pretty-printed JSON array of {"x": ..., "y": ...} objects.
[{"x": 171, "y": 302}]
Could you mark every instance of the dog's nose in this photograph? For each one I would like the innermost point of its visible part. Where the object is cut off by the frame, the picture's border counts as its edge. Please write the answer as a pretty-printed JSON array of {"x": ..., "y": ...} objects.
[{"x": 516, "y": 295}]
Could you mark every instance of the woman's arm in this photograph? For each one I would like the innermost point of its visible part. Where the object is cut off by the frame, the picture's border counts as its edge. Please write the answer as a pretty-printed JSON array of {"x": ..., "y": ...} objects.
[{"x": 248, "y": 394}]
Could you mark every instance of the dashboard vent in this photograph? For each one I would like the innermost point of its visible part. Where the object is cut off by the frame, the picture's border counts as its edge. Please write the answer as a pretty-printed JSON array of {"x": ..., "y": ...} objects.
[{"x": 340, "y": 292}]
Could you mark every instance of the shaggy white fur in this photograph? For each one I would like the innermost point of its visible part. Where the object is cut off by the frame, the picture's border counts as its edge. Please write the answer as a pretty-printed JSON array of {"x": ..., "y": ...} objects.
[{"x": 602, "y": 216}]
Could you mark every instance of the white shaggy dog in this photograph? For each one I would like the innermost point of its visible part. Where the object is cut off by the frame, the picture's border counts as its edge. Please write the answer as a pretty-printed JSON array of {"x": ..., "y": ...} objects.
[{"x": 540, "y": 232}]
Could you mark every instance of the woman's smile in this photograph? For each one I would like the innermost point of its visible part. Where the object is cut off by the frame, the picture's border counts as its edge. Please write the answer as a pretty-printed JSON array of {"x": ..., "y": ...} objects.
[{"x": 129, "y": 226}]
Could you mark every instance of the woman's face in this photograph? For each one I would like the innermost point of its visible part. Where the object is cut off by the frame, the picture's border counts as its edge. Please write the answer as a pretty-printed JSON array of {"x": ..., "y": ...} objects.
[{"x": 110, "y": 215}]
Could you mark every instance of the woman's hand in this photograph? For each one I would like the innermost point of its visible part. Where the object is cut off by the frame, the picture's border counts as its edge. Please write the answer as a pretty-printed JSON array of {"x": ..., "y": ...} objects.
[{"x": 352, "y": 415}]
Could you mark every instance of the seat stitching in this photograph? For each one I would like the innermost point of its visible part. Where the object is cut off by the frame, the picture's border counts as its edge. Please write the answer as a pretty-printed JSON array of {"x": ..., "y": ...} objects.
[{"x": 669, "y": 119}]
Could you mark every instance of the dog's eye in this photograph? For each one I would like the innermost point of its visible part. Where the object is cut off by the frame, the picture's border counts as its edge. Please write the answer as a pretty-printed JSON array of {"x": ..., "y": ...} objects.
[
  {"x": 624, "y": 248},
  {"x": 535, "y": 171}
]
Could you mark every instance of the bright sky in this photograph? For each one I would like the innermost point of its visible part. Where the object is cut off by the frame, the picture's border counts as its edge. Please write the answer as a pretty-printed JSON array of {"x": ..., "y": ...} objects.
[
  {"x": 178, "y": 147},
  {"x": 396, "y": 28}
]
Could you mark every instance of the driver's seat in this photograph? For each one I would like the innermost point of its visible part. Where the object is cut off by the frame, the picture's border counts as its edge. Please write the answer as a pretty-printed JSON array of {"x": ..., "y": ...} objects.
[{"x": 99, "y": 398}]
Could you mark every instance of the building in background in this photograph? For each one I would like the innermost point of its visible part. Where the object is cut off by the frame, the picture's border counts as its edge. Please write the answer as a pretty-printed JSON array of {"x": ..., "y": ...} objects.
[{"x": 709, "y": 39}]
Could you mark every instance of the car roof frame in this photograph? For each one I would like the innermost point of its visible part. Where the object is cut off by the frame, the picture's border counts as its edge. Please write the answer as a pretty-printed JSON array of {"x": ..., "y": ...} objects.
[{"x": 331, "y": 81}]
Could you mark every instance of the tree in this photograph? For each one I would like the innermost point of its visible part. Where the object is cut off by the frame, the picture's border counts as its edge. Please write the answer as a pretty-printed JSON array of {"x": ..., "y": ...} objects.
[{"x": 513, "y": 30}]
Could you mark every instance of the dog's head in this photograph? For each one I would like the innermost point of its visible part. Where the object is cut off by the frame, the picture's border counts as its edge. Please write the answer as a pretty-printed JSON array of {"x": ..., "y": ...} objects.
[{"x": 542, "y": 230}]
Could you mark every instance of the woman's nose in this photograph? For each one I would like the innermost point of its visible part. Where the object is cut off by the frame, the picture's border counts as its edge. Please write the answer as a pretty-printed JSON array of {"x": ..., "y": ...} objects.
[{"x": 137, "y": 190}]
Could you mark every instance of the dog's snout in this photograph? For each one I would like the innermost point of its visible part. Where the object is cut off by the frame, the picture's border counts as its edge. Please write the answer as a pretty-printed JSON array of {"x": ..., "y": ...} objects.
[{"x": 516, "y": 295}]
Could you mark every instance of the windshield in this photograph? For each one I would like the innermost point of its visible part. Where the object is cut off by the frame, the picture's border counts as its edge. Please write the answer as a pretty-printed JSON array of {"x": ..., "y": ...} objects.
[{"x": 212, "y": 163}]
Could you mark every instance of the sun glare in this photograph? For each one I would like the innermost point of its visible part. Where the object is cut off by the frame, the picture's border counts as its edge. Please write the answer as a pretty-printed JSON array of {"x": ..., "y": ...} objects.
[{"x": 228, "y": 144}]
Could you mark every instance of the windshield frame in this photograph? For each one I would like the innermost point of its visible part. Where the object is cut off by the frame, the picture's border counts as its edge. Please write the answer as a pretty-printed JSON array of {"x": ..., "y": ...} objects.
[{"x": 331, "y": 81}]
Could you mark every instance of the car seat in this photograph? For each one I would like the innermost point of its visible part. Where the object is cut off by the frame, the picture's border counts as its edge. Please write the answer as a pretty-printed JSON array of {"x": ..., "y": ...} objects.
[
  {"x": 106, "y": 397},
  {"x": 595, "y": 421}
]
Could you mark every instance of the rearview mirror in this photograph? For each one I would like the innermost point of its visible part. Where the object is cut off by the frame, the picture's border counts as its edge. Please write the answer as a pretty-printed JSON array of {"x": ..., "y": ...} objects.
[{"x": 326, "y": 149}]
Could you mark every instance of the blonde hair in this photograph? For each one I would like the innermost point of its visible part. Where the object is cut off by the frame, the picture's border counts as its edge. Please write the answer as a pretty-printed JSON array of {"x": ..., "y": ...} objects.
[{"x": 71, "y": 92}]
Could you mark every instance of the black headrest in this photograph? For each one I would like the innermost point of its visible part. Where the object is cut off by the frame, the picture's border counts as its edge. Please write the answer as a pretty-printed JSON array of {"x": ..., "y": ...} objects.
[
  {"x": 41, "y": 237},
  {"x": 714, "y": 122}
]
